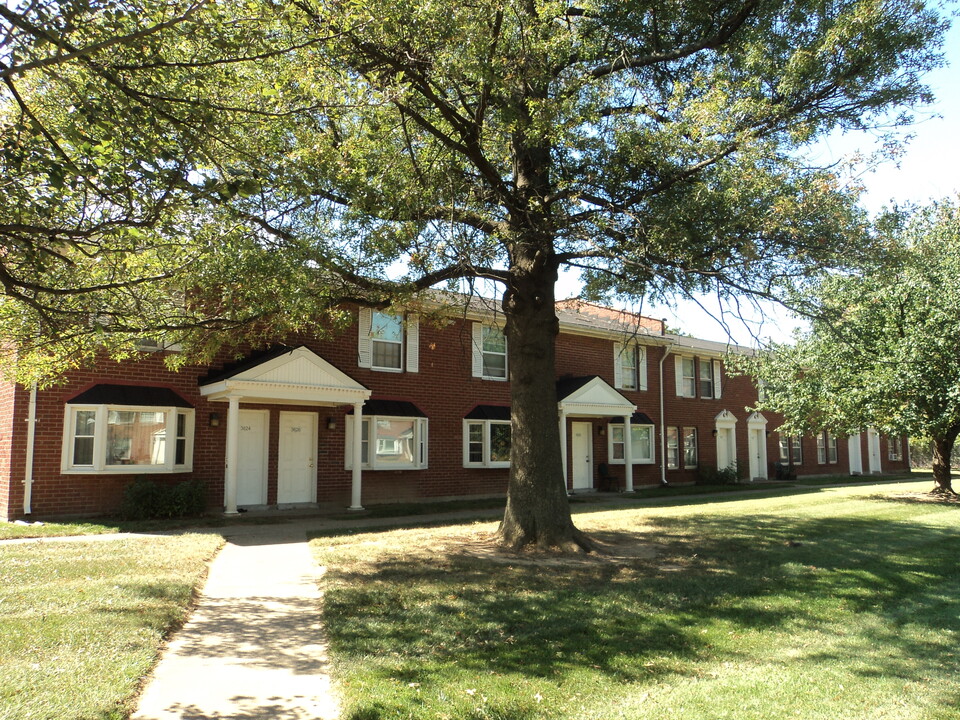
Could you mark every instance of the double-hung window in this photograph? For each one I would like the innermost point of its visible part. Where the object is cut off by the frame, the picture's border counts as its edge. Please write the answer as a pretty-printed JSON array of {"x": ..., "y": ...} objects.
[
  {"x": 388, "y": 442},
  {"x": 826, "y": 448},
  {"x": 706, "y": 379},
  {"x": 489, "y": 352},
  {"x": 894, "y": 448},
  {"x": 690, "y": 447},
  {"x": 791, "y": 452},
  {"x": 641, "y": 444},
  {"x": 630, "y": 366},
  {"x": 126, "y": 439},
  {"x": 388, "y": 341},
  {"x": 486, "y": 443},
  {"x": 686, "y": 369},
  {"x": 673, "y": 448}
]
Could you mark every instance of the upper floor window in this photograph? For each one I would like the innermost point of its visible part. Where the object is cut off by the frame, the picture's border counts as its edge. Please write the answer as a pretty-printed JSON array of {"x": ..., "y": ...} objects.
[
  {"x": 127, "y": 439},
  {"x": 629, "y": 366},
  {"x": 388, "y": 341},
  {"x": 698, "y": 374},
  {"x": 489, "y": 352}
]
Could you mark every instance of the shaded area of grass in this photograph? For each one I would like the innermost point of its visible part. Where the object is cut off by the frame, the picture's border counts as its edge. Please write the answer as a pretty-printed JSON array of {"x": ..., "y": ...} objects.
[
  {"x": 821, "y": 605},
  {"x": 82, "y": 621}
]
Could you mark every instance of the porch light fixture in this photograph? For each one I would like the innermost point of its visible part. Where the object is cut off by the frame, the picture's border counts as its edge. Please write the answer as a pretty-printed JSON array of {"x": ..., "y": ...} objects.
[
  {"x": 714, "y": 432},
  {"x": 214, "y": 419},
  {"x": 601, "y": 431},
  {"x": 331, "y": 424}
]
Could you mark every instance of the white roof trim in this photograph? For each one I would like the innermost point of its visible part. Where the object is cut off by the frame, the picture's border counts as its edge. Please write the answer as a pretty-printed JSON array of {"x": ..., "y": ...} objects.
[
  {"x": 596, "y": 399},
  {"x": 299, "y": 377}
]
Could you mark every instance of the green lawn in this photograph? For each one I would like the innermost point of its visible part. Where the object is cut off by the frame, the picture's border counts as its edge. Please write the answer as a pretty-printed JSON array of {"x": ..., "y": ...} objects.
[
  {"x": 81, "y": 622},
  {"x": 833, "y": 603}
]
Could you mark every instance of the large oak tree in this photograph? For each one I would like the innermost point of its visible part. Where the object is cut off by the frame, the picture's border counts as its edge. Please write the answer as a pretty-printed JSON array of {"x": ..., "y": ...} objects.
[{"x": 283, "y": 156}]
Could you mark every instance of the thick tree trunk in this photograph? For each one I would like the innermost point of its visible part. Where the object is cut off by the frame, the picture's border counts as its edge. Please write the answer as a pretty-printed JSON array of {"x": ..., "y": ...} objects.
[
  {"x": 538, "y": 511},
  {"x": 942, "y": 449}
]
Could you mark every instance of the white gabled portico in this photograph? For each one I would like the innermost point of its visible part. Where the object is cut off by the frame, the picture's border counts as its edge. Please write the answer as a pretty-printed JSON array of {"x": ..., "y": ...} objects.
[
  {"x": 592, "y": 397},
  {"x": 287, "y": 376}
]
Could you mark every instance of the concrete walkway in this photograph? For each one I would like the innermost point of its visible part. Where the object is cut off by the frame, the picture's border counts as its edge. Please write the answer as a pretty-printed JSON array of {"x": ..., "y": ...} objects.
[{"x": 254, "y": 646}]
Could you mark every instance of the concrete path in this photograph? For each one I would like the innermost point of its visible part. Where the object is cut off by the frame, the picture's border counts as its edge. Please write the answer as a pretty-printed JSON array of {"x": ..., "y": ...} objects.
[{"x": 254, "y": 646}]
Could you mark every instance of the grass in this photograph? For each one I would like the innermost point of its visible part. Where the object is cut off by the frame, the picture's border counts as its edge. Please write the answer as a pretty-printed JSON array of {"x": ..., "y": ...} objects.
[
  {"x": 82, "y": 621},
  {"x": 840, "y": 602}
]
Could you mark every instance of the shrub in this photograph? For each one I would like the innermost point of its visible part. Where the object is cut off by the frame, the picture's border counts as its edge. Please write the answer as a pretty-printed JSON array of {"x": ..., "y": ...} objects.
[
  {"x": 709, "y": 475},
  {"x": 145, "y": 499}
]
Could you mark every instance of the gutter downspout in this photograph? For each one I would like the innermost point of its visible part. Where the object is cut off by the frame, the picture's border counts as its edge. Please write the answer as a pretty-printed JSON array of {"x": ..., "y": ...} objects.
[
  {"x": 663, "y": 422},
  {"x": 31, "y": 441}
]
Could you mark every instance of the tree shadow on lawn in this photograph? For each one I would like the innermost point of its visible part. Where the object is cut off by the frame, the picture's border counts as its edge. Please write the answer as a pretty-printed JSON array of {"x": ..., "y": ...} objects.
[{"x": 635, "y": 620}]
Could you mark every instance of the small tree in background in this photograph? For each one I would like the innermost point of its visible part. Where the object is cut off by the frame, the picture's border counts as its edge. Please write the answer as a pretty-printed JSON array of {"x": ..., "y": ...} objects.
[{"x": 884, "y": 349}]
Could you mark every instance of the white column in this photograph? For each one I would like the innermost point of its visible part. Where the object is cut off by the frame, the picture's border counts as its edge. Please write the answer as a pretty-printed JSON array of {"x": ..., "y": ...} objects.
[
  {"x": 233, "y": 453},
  {"x": 563, "y": 446},
  {"x": 356, "y": 478},
  {"x": 628, "y": 453}
]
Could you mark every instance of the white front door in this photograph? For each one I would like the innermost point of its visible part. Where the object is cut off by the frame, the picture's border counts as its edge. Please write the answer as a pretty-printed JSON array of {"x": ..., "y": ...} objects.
[
  {"x": 758, "y": 453},
  {"x": 296, "y": 458},
  {"x": 581, "y": 449},
  {"x": 252, "y": 457},
  {"x": 726, "y": 448},
  {"x": 856, "y": 458},
  {"x": 873, "y": 451}
]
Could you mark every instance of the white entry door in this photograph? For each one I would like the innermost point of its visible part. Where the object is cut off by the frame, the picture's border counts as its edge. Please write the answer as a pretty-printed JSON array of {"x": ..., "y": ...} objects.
[
  {"x": 873, "y": 451},
  {"x": 252, "y": 457},
  {"x": 757, "y": 439},
  {"x": 856, "y": 457},
  {"x": 297, "y": 456},
  {"x": 581, "y": 449},
  {"x": 726, "y": 448}
]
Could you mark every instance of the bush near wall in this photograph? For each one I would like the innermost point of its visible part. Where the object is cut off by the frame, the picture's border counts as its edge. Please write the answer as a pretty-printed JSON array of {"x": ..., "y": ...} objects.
[{"x": 147, "y": 499}]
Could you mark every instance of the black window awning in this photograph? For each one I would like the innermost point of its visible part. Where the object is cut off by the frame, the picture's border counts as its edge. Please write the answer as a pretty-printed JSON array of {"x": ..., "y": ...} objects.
[
  {"x": 489, "y": 412},
  {"x": 638, "y": 418},
  {"x": 133, "y": 395},
  {"x": 393, "y": 408}
]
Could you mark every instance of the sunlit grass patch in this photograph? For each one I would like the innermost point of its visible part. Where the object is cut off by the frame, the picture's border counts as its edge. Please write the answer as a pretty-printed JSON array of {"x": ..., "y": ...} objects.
[
  {"x": 82, "y": 622},
  {"x": 825, "y": 604}
]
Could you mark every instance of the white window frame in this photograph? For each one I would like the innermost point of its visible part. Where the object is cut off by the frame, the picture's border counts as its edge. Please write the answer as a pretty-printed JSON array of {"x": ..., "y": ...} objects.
[
  {"x": 826, "y": 449},
  {"x": 686, "y": 382},
  {"x": 894, "y": 448},
  {"x": 485, "y": 426},
  {"x": 374, "y": 339},
  {"x": 793, "y": 447},
  {"x": 480, "y": 331},
  {"x": 409, "y": 341},
  {"x": 688, "y": 432},
  {"x": 705, "y": 375},
  {"x": 625, "y": 376},
  {"x": 421, "y": 437},
  {"x": 99, "y": 465},
  {"x": 615, "y": 437},
  {"x": 673, "y": 448}
]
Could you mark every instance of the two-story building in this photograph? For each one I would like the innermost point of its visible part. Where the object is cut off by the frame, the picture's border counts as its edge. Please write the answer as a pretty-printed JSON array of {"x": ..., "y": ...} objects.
[{"x": 401, "y": 406}]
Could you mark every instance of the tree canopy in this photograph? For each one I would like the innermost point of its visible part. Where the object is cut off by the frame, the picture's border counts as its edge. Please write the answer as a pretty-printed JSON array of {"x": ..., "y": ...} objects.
[
  {"x": 220, "y": 172},
  {"x": 884, "y": 349}
]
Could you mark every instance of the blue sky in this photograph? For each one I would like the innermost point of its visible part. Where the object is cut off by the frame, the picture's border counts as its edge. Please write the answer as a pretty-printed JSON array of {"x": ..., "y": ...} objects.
[{"x": 929, "y": 170}]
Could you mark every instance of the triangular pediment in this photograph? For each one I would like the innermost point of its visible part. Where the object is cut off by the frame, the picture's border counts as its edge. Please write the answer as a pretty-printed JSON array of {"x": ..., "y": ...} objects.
[
  {"x": 298, "y": 374},
  {"x": 592, "y": 397}
]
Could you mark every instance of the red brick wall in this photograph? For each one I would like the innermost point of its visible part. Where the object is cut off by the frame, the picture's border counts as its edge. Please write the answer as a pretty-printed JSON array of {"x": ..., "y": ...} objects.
[{"x": 443, "y": 389}]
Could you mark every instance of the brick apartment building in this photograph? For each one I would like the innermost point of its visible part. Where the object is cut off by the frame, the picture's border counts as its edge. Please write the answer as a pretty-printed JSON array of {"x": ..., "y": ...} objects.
[{"x": 279, "y": 426}]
